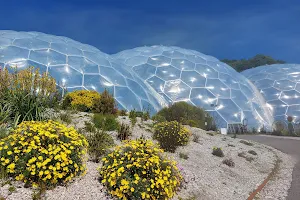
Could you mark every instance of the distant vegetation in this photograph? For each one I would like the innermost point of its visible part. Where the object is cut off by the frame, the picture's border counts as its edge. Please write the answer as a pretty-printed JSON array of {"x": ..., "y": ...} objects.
[{"x": 258, "y": 60}]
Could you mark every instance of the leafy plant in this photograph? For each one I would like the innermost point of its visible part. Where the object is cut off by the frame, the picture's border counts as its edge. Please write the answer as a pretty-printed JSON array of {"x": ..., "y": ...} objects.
[
  {"x": 99, "y": 144},
  {"x": 136, "y": 170},
  {"x": 218, "y": 152},
  {"x": 4, "y": 132},
  {"x": 170, "y": 135},
  {"x": 229, "y": 162},
  {"x": 105, "y": 122},
  {"x": 123, "y": 113},
  {"x": 43, "y": 152},
  {"x": 133, "y": 121},
  {"x": 106, "y": 104},
  {"x": 124, "y": 132},
  {"x": 146, "y": 116},
  {"x": 132, "y": 114}
]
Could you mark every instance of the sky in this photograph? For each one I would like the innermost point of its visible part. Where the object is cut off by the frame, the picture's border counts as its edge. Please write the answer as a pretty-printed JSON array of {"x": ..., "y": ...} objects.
[{"x": 231, "y": 29}]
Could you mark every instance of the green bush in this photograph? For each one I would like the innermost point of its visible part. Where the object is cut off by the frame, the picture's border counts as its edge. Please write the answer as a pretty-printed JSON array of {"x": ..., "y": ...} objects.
[
  {"x": 158, "y": 118},
  {"x": 124, "y": 132},
  {"x": 105, "y": 122},
  {"x": 186, "y": 114},
  {"x": 99, "y": 144},
  {"x": 122, "y": 113},
  {"x": 106, "y": 104},
  {"x": 170, "y": 135},
  {"x": 132, "y": 114},
  {"x": 146, "y": 116},
  {"x": 218, "y": 152}
]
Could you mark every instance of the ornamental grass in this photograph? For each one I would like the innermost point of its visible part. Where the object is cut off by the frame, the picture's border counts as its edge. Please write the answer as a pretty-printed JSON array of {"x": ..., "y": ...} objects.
[
  {"x": 138, "y": 170},
  {"x": 46, "y": 153}
]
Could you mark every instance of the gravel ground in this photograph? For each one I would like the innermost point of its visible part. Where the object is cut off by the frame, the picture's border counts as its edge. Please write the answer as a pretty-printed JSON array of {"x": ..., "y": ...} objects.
[
  {"x": 205, "y": 175},
  {"x": 278, "y": 186}
]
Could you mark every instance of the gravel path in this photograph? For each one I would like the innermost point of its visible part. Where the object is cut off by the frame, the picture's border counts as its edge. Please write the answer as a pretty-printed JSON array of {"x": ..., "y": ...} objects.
[{"x": 289, "y": 146}]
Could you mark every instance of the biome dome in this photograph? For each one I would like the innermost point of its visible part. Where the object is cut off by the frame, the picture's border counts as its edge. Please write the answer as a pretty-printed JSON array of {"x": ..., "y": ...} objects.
[
  {"x": 280, "y": 86},
  {"x": 178, "y": 74},
  {"x": 74, "y": 65},
  {"x": 141, "y": 78}
]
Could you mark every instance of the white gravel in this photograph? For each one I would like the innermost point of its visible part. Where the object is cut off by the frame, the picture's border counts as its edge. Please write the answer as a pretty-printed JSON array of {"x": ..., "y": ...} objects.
[
  {"x": 278, "y": 186},
  {"x": 205, "y": 175}
]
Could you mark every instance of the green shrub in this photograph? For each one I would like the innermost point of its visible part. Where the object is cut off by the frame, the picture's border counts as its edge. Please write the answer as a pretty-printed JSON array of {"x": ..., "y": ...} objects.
[
  {"x": 170, "y": 135},
  {"x": 5, "y": 113},
  {"x": 186, "y": 114},
  {"x": 124, "y": 132},
  {"x": 218, "y": 152},
  {"x": 105, "y": 122},
  {"x": 106, "y": 104},
  {"x": 4, "y": 132},
  {"x": 99, "y": 144},
  {"x": 158, "y": 118},
  {"x": 132, "y": 114},
  {"x": 35, "y": 149},
  {"x": 122, "y": 113},
  {"x": 146, "y": 116},
  {"x": 138, "y": 170}
]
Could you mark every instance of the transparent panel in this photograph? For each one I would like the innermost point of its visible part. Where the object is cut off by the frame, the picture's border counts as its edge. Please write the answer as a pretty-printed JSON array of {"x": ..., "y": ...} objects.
[
  {"x": 168, "y": 73},
  {"x": 156, "y": 83},
  {"x": 218, "y": 88},
  {"x": 206, "y": 71},
  {"x": 48, "y": 57},
  {"x": 203, "y": 98},
  {"x": 144, "y": 71},
  {"x": 159, "y": 61},
  {"x": 177, "y": 90},
  {"x": 183, "y": 64},
  {"x": 193, "y": 79}
]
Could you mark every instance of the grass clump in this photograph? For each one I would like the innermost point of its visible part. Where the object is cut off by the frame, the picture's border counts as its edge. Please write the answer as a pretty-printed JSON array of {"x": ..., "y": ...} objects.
[
  {"x": 243, "y": 155},
  {"x": 135, "y": 170},
  {"x": 105, "y": 122},
  {"x": 196, "y": 138},
  {"x": 229, "y": 162},
  {"x": 218, "y": 152},
  {"x": 252, "y": 152},
  {"x": 32, "y": 152},
  {"x": 124, "y": 132},
  {"x": 186, "y": 114},
  {"x": 183, "y": 156},
  {"x": 99, "y": 144},
  {"x": 170, "y": 135},
  {"x": 89, "y": 127},
  {"x": 246, "y": 142},
  {"x": 66, "y": 117}
]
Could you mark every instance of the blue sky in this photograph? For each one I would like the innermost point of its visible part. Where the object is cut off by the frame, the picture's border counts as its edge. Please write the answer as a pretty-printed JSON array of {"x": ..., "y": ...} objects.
[{"x": 225, "y": 29}]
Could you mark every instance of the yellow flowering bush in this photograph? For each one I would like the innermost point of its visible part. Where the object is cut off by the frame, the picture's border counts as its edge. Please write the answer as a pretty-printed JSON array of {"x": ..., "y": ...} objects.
[
  {"x": 138, "y": 170},
  {"x": 43, "y": 152},
  {"x": 82, "y": 100},
  {"x": 170, "y": 135}
]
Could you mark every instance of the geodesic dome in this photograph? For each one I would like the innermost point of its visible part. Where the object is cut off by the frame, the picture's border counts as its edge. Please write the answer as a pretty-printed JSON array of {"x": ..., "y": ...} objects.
[
  {"x": 74, "y": 65},
  {"x": 178, "y": 74},
  {"x": 280, "y": 86}
]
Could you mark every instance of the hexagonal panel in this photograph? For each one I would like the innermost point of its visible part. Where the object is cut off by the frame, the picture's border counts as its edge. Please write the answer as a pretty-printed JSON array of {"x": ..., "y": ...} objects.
[
  {"x": 284, "y": 85},
  {"x": 168, "y": 73},
  {"x": 159, "y": 61},
  {"x": 218, "y": 88},
  {"x": 203, "y": 98},
  {"x": 206, "y": 71},
  {"x": 183, "y": 64},
  {"x": 177, "y": 90},
  {"x": 229, "y": 110},
  {"x": 193, "y": 79},
  {"x": 270, "y": 93},
  {"x": 144, "y": 71},
  {"x": 277, "y": 107},
  {"x": 290, "y": 97}
]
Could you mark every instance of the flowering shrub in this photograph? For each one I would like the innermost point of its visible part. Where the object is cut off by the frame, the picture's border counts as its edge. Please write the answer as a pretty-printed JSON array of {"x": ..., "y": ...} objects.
[
  {"x": 82, "y": 100},
  {"x": 137, "y": 170},
  {"x": 170, "y": 135},
  {"x": 43, "y": 152}
]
